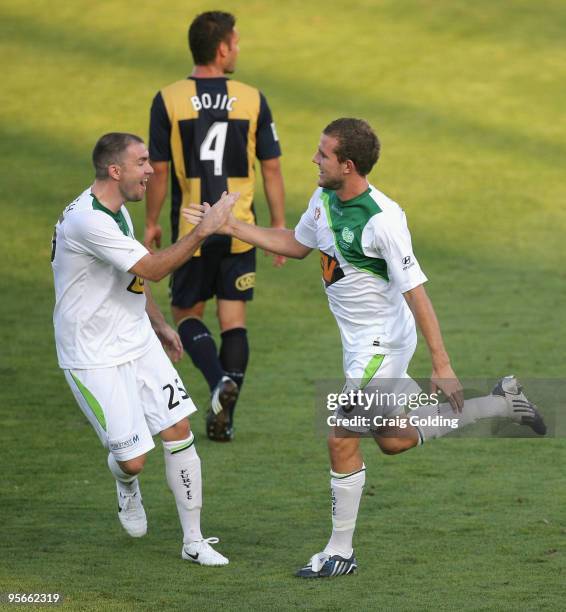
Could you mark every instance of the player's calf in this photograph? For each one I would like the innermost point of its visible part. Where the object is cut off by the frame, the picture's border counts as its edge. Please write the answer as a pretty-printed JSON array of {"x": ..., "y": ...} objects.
[
  {"x": 395, "y": 440},
  {"x": 344, "y": 451},
  {"x": 183, "y": 471}
]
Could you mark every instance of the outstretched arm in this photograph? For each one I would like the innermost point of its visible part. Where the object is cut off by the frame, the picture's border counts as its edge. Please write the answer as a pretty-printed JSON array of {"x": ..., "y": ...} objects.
[
  {"x": 280, "y": 241},
  {"x": 276, "y": 240},
  {"x": 155, "y": 266},
  {"x": 443, "y": 376}
]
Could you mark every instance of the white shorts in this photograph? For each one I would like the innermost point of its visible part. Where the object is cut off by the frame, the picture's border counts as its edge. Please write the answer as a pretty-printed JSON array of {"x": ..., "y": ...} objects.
[
  {"x": 381, "y": 382},
  {"x": 130, "y": 403}
]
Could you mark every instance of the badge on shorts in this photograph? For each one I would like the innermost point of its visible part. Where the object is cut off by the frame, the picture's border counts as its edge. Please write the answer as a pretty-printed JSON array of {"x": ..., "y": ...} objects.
[{"x": 245, "y": 282}]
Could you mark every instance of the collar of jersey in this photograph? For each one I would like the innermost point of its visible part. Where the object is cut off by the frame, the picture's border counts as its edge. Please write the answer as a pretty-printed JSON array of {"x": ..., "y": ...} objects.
[
  {"x": 193, "y": 78},
  {"x": 117, "y": 216},
  {"x": 97, "y": 205},
  {"x": 354, "y": 199}
]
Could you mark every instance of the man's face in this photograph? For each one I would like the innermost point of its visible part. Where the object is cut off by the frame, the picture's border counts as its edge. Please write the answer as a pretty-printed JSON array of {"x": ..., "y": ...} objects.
[
  {"x": 331, "y": 171},
  {"x": 135, "y": 171},
  {"x": 232, "y": 52}
]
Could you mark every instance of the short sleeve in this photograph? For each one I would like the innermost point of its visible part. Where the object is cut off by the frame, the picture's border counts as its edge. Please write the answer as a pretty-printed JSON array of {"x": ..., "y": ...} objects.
[
  {"x": 390, "y": 238},
  {"x": 96, "y": 233},
  {"x": 267, "y": 141},
  {"x": 305, "y": 230},
  {"x": 159, "y": 131}
]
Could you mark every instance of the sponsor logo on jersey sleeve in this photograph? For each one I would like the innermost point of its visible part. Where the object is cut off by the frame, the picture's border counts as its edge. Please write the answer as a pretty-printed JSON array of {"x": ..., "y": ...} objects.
[
  {"x": 407, "y": 262},
  {"x": 274, "y": 131}
]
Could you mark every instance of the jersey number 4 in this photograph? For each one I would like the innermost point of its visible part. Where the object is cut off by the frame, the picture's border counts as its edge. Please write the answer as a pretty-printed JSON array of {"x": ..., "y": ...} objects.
[
  {"x": 212, "y": 147},
  {"x": 224, "y": 143}
]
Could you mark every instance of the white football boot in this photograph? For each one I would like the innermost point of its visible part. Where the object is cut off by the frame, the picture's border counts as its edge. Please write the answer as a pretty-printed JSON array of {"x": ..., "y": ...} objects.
[
  {"x": 203, "y": 553},
  {"x": 131, "y": 511}
]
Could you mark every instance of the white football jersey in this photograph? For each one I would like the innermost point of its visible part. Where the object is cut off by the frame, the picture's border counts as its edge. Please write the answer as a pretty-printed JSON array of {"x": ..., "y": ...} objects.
[
  {"x": 367, "y": 263},
  {"x": 100, "y": 318}
]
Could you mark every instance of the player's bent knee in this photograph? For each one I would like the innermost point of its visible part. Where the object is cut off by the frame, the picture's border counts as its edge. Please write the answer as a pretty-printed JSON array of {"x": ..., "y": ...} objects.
[
  {"x": 179, "y": 431},
  {"x": 231, "y": 317},
  {"x": 193, "y": 312},
  {"x": 133, "y": 466}
]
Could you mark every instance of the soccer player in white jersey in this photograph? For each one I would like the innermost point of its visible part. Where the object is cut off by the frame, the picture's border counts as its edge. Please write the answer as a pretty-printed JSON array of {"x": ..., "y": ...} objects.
[
  {"x": 375, "y": 290},
  {"x": 109, "y": 335}
]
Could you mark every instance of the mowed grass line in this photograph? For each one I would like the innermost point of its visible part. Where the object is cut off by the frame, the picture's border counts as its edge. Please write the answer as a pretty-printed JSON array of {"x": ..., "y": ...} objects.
[{"x": 463, "y": 523}]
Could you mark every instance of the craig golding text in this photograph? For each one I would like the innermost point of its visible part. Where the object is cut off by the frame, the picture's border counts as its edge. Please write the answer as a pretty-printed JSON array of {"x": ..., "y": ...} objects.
[{"x": 402, "y": 422}]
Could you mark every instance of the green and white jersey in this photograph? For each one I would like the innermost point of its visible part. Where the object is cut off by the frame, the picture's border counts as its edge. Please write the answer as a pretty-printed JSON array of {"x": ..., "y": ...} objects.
[
  {"x": 100, "y": 318},
  {"x": 367, "y": 263}
]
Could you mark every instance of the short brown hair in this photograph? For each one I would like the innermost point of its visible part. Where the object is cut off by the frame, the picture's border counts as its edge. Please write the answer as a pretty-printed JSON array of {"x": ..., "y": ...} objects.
[
  {"x": 356, "y": 142},
  {"x": 108, "y": 150},
  {"x": 206, "y": 32}
]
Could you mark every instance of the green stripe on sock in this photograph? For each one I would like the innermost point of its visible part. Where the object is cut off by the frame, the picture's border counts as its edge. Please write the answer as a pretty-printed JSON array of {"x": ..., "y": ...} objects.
[
  {"x": 371, "y": 368},
  {"x": 342, "y": 476},
  {"x": 183, "y": 446},
  {"x": 92, "y": 402}
]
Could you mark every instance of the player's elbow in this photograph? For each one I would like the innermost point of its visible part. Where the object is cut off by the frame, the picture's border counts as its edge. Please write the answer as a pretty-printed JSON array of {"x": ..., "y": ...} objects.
[
  {"x": 271, "y": 167},
  {"x": 155, "y": 274},
  {"x": 153, "y": 277},
  {"x": 300, "y": 254},
  {"x": 150, "y": 275},
  {"x": 149, "y": 269},
  {"x": 414, "y": 294},
  {"x": 299, "y": 251}
]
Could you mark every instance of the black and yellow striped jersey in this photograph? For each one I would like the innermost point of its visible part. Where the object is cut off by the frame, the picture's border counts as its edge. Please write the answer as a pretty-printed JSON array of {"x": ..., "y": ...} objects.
[{"x": 211, "y": 130}]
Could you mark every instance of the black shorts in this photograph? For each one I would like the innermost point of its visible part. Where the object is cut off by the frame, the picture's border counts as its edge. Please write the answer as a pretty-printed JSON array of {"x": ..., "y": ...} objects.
[{"x": 228, "y": 276}]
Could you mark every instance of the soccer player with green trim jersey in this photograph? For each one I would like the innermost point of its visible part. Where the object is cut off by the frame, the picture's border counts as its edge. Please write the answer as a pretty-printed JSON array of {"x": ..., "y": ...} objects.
[
  {"x": 111, "y": 336},
  {"x": 374, "y": 286}
]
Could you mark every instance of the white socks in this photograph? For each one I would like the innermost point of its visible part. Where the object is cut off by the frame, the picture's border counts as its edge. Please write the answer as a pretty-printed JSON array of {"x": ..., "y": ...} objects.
[
  {"x": 182, "y": 467},
  {"x": 474, "y": 409},
  {"x": 126, "y": 482},
  {"x": 346, "y": 490}
]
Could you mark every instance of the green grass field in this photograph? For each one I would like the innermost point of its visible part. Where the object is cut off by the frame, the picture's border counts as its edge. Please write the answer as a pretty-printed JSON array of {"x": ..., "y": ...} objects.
[{"x": 468, "y": 100}]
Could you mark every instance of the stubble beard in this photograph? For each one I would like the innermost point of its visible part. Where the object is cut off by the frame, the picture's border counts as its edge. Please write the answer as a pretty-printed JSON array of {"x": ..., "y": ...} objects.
[
  {"x": 132, "y": 195},
  {"x": 329, "y": 183}
]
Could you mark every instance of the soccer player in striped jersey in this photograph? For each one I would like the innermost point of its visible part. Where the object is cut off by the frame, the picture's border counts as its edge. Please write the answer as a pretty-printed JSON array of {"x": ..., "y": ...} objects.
[
  {"x": 375, "y": 289},
  {"x": 206, "y": 131}
]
